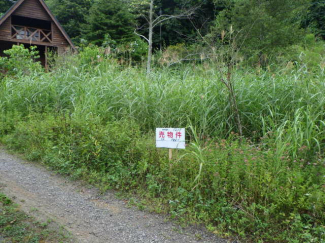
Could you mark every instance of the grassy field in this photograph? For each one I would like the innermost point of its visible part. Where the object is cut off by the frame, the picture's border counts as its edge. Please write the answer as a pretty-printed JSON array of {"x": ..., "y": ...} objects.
[{"x": 91, "y": 118}]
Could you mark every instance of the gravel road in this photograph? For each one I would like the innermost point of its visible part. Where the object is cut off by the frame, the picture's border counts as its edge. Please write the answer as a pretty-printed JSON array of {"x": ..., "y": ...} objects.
[{"x": 88, "y": 216}]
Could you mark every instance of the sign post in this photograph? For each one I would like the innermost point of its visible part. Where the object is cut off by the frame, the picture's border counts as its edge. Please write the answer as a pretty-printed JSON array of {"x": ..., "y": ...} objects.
[
  {"x": 171, "y": 138},
  {"x": 170, "y": 154}
]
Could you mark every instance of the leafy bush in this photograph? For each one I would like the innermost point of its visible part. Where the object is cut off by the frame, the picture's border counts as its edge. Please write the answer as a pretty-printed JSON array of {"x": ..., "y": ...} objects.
[
  {"x": 20, "y": 60},
  {"x": 311, "y": 54}
]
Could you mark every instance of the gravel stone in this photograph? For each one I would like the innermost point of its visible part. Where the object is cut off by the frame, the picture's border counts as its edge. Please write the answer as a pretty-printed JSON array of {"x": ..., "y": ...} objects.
[{"x": 87, "y": 215}]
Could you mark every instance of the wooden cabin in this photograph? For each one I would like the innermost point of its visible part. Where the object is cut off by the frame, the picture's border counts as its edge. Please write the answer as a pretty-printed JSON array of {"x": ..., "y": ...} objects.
[{"x": 30, "y": 22}]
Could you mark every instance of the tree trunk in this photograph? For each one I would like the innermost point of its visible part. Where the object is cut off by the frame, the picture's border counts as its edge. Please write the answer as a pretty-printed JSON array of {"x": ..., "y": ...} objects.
[{"x": 150, "y": 37}]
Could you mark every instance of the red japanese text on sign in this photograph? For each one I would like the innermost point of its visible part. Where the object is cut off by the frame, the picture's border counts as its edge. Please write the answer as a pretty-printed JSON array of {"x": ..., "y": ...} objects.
[
  {"x": 170, "y": 138},
  {"x": 161, "y": 134}
]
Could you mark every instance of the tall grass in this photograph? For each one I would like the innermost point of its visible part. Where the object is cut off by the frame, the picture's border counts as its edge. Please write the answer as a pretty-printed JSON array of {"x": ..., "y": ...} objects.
[
  {"x": 288, "y": 104},
  {"x": 93, "y": 115}
]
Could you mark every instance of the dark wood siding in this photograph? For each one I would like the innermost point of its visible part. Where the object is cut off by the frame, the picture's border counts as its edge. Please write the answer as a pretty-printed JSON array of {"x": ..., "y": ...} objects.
[
  {"x": 58, "y": 39},
  {"x": 32, "y": 9},
  {"x": 5, "y": 30}
]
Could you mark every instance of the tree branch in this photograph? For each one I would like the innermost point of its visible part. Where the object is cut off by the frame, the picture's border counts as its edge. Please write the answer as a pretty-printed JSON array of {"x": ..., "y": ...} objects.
[
  {"x": 145, "y": 17},
  {"x": 165, "y": 17},
  {"x": 135, "y": 32}
]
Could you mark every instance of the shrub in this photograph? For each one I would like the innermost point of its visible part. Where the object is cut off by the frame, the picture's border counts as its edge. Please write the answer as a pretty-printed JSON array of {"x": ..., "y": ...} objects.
[{"x": 21, "y": 60}]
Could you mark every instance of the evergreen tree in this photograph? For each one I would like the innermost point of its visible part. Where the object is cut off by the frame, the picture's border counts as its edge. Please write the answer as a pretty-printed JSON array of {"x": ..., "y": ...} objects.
[
  {"x": 71, "y": 14},
  {"x": 5, "y": 5},
  {"x": 316, "y": 18},
  {"x": 110, "y": 19}
]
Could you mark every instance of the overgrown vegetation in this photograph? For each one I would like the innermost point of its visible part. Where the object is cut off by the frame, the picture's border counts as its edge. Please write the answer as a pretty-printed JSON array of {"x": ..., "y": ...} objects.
[
  {"x": 17, "y": 227},
  {"x": 267, "y": 26},
  {"x": 92, "y": 118},
  {"x": 246, "y": 78},
  {"x": 19, "y": 61}
]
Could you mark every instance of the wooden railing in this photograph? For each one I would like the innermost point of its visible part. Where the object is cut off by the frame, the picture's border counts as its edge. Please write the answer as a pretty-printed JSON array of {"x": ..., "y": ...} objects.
[{"x": 31, "y": 34}]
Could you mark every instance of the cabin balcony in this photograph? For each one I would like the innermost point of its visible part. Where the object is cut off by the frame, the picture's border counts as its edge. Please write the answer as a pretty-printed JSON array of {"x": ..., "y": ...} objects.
[{"x": 31, "y": 34}]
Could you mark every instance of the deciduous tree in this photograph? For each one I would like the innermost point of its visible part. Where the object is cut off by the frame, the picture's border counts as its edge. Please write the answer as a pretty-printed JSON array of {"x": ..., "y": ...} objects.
[
  {"x": 264, "y": 26},
  {"x": 154, "y": 20}
]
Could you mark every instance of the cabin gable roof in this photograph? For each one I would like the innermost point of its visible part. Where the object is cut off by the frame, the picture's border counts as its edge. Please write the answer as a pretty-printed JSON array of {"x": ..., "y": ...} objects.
[{"x": 47, "y": 10}]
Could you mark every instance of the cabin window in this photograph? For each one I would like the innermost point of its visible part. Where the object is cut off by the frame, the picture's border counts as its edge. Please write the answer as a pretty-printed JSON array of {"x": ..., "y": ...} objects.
[{"x": 31, "y": 29}]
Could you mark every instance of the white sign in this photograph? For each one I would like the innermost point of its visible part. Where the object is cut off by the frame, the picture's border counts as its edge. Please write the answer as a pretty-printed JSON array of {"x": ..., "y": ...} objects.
[{"x": 170, "y": 138}]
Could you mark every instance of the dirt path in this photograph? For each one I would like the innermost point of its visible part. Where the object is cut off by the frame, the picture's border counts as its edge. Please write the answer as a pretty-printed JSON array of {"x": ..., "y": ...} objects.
[{"x": 82, "y": 211}]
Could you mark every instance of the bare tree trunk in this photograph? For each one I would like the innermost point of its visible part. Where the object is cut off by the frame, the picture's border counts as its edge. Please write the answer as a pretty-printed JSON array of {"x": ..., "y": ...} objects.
[
  {"x": 153, "y": 22},
  {"x": 150, "y": 37}
]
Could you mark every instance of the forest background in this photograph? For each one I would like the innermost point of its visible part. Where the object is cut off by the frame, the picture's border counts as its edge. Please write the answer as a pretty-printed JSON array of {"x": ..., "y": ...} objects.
[
  {"x": 246, "y": 79},
  {"x": 263, "y": 29}
]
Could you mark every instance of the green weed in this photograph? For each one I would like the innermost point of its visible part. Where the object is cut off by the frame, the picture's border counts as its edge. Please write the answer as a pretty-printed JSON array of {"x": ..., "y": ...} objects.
[{"x": 96, "y": 121}]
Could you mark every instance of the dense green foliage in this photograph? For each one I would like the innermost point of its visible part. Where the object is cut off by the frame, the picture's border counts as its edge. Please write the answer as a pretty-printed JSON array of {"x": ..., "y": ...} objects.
[
  {"x": 5, "y": 5},
  {"x": 95, "y": 119},
  {"x": 316, "y": 18},
  {"x": 260, "y": 27},
  {"x": 263, "y": 27},
  {"x": 19, "y": 61},
  {"x": 110, "y": 21},
  {"x": 72, "y": 15}
]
